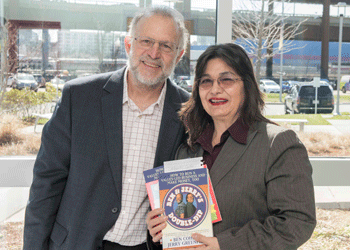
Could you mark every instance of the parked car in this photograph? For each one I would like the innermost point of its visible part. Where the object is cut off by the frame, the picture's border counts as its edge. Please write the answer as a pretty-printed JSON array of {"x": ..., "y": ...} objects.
[
  {"x": 40, "y": 80},
  {"x": 9, "y": 81},
  {"x": 269, "y": 86},
  {"x": 186, "y": 84},
  {"x": 23, "y": 80},
  {"x": 178, "y": 79},
  {"x": 58, "y": 83},
  {"x": 302, "y": 99},
  {"x": 346, "y": 87}
]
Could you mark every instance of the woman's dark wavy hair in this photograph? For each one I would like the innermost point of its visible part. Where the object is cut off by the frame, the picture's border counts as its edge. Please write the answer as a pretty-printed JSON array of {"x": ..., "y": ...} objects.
[{"x": 193, "y": 115}]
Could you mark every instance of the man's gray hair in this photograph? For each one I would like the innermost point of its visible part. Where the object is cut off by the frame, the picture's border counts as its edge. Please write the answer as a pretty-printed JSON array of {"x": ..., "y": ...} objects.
[{"x": 165, "y": 12}]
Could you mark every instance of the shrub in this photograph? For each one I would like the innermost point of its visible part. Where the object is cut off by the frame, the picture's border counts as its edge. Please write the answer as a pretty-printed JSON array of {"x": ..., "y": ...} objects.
[
  {"x": 18, "y": 99},
  {"x": 10, "y": 130}
]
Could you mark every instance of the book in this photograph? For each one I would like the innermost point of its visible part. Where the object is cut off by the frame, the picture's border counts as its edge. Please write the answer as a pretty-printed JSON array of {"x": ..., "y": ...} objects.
[
  {"x": 214, "y": 207},
  {"x": 185, "y": 197},
  {"x": 152, "y": 175},
  {"x": 193, "y": 163},
  {"x": 152, "y": 186}
]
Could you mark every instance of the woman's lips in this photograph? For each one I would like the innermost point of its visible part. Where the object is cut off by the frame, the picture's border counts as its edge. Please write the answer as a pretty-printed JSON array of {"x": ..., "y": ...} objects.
[{"x": 217, "y": 101}]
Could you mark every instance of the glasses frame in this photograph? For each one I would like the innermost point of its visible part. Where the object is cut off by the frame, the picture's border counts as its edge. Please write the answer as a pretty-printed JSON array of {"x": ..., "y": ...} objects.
[
  {"x": 218, "y": 81},
  {"x": 162, "y": 44}
]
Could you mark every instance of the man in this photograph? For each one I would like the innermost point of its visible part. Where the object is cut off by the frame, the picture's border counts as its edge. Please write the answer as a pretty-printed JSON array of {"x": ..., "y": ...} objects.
[
  {"x": 181, "y": 206},
  {"x": 190, "y": 208},
  {"x": 88, "y": 190}
]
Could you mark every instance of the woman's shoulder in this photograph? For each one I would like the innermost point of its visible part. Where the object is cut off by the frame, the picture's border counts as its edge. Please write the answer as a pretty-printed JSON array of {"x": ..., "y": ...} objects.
[
  {"x": 272, "y": 133},
  {"x": 272, "y": 129}
]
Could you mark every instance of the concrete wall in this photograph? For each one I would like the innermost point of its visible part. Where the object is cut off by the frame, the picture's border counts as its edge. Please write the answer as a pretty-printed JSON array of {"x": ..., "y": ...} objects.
[{"x": 16, "y": 174}]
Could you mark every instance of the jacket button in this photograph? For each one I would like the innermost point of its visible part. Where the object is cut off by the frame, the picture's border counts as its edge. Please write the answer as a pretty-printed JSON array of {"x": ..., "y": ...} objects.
[{"x": 114, "y": 210}]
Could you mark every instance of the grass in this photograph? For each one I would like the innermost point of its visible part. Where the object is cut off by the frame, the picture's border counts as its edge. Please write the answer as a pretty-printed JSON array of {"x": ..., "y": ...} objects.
[
  {"x": 325, "y": 144},
  {"x": 332, "y": 231},
  {"x": 13, "y": 141},
  {"x": 273, "y": 97},
  {"x": 9, "y": 128},
  {"x": 312, "y": 119}
]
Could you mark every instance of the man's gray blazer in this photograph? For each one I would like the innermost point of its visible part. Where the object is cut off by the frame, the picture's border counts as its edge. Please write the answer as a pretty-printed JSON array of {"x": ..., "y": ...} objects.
[
  {"x": 75, "y": 197},
  {"x": 264, "y": 190}
]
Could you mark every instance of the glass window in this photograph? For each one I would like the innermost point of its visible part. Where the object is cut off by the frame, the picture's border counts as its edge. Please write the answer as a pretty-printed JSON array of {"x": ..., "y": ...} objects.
[
  {"x": 59, "y": 40},
  {"x": 292, "y": 46},
  {"x": 71, "y": 38}
]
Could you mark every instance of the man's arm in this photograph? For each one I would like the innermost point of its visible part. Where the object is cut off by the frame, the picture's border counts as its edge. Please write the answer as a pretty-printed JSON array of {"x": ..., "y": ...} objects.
[{"x": 49, "y": 177}]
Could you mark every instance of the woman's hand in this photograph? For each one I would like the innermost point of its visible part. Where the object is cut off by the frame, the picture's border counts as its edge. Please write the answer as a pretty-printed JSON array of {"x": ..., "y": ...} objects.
[
  {"x": 210, "y": 243},
  {"x": 156, "y": 223}
]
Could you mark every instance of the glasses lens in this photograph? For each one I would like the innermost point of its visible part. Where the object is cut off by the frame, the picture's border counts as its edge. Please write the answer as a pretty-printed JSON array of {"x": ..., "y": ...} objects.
[
  {"x": 167, "y": 47},
  {"x": 226, "y": 81},
  {"x": 205, "y": 83},
  {"x": 145, "y": 41}
]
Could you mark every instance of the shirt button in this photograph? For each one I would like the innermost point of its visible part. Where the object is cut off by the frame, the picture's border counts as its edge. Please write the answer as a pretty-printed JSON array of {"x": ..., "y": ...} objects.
[
  {"x": 123, "y": 212},
  {"x": 114, "y": 210},
  {"x": 129, "y": 180}
]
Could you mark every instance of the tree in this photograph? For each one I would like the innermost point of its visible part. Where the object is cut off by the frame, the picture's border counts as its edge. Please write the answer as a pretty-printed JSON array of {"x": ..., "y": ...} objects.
[
  {"x": 259, "y": 28},
  {"x": 9, "y": 63}
]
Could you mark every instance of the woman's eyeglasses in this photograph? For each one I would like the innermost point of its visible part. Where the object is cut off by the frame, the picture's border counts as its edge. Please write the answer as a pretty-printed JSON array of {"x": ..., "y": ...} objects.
[
  {"x": 225, "y": 81},
  {"x": 147, "y": 43}
]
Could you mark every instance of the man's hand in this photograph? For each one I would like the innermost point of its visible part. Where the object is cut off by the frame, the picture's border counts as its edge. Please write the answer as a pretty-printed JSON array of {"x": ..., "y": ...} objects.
[
  {"x": 210, "y": 243},
  {"x": 156, "y": 223}
]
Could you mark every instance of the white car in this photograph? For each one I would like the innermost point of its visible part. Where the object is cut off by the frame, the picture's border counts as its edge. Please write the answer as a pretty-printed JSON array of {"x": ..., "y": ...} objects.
[{"x": 269, "y": 86}]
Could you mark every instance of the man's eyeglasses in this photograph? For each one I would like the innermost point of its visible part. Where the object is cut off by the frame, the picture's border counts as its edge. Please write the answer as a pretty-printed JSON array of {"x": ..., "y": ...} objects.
[
  {"x": 225, "y": 81},
  {"x": 147, "y": 43}
]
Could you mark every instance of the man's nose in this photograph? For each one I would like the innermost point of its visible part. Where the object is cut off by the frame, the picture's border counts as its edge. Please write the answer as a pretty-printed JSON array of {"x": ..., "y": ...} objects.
[{"x": 154, "y": 51}]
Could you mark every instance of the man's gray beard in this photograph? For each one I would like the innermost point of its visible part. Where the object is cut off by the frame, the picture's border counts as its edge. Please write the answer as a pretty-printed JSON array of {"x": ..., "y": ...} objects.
[{"x": 151, "y": 83}]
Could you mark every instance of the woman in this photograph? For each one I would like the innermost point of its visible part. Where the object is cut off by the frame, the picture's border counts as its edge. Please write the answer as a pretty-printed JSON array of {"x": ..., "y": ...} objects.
[{"x": 260, "y": 172}]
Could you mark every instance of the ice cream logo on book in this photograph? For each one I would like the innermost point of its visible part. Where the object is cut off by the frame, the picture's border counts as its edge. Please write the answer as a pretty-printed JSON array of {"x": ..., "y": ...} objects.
[{"x": 186, "y": 206}]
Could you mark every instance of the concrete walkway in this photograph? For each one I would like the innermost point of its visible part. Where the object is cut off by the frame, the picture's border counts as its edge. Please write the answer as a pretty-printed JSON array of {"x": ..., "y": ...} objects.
[{"x": 332, "y": 197}]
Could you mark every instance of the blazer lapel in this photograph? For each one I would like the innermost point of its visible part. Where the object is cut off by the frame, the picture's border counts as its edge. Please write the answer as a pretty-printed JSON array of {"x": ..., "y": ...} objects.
[
  {"x": 112, "y": 121},
  {"x": 228, "y": 158},
  {"x": 170, "y": 129}
]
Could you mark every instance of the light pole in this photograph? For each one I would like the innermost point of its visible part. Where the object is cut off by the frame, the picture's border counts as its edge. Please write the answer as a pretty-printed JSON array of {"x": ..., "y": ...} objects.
[{"x": 341, "y": 17}]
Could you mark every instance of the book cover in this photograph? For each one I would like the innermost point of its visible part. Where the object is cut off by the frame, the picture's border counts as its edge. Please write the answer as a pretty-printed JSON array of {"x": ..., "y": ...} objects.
[
  {"x": 152, "y": 175},
  {"x": 214, "y": 207},
  {"x": 194, "y": 163},
  {"x": 185, "y": 197},
  {"x": 152, "y": 186}
]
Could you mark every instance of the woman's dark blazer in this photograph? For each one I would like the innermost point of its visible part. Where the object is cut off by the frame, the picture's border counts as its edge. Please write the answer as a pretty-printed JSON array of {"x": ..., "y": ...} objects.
[{"x": 264, "y": 190}]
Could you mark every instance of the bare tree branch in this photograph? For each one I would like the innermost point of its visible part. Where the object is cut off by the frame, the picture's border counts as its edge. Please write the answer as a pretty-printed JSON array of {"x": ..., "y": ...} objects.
[{"x": 260, "y": 29}]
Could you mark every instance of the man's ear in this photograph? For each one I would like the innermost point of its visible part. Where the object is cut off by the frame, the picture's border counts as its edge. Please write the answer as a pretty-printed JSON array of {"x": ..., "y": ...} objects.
[
  {"x": 179, "y": 56},
  {"x": 127, "y": 44}
]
